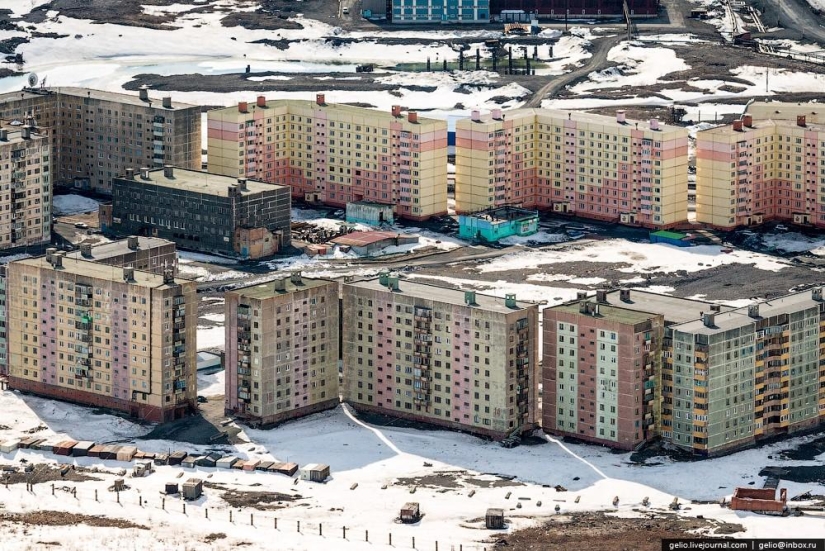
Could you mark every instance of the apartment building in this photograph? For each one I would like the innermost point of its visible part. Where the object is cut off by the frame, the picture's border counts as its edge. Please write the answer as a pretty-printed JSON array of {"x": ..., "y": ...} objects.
[
  {"x": 440, "y": 11},
  {"x": 148, "y": 254},
  {"x": 781, "y": 110},
  {"x": 103, "y": 336},
  {"x": 599, "y": 372},
  {"x": 557, "y": 9},
  {"x": 753, "y": 171},
  {"x": 732, "y": 378},
  {"x": 335, "y": 154},
  {"x": 593, "y": 166},
  {"x": 282, "y": 349},
  {"x": 97, "y": 135},
  {"x": 461, "y": 360},
  {"x": 202, "y": 211},
  {"x": 25, "y": 172}
]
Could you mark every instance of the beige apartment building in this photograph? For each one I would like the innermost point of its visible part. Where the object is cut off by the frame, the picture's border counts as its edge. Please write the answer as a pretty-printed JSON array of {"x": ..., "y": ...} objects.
[
  {"x": 593, "y": 166},
  {"x": 756, "y": 170},
  {"x": 97, "y": 135},
  {"x": 457, "y": 359},
  {"x": 26, "y": 192},
  {"x": 101, "y": 335},
  {"x": 282, "y": 349},
  {"x": 335, "y": 154}
]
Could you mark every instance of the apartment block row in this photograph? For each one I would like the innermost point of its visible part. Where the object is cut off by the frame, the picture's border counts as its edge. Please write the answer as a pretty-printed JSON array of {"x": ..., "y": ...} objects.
[
  {"x": 456, "y": 359},
  {"x": 622, "y": 368}
]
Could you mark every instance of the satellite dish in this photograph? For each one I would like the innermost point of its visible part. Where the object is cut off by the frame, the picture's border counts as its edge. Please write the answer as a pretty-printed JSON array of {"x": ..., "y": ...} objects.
[{"x": 32, "y": 80}]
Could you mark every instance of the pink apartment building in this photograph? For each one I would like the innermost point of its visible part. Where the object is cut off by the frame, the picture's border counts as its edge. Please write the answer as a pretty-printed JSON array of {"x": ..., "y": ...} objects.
[
  {"x": 753, "y": 171},
  {"x": 335, "y": 154},
  {"x": 593, "y": 166}
]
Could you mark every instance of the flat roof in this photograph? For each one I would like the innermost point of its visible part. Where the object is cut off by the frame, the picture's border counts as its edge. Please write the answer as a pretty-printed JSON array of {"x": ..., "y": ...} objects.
[
  {"x": 738, "y": 317},
  {"x": 382, "y": 114},
  {"x": 364, "y": 238},
  {"x": 120, "y": 97},
  {"x": 606, "y": 311},
  {"x": 200, "y": 182},
  {"x": 669, "y": 234},
  {"x": 765, "y": 123},
  {"x": 120, "y": 247},
  {"x": 93, "y": 269},
  {"x": 504, "y": 213},
  {"x": 674, "y": 309},
  {"x": 265, "y": 290},
  {"x": 441, "y": 294},
  {"x": 580, "y": 116}
]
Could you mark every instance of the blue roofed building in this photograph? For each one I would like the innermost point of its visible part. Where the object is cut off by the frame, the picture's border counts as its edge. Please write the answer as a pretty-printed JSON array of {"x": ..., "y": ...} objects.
[{"x": 445, "y": 11}]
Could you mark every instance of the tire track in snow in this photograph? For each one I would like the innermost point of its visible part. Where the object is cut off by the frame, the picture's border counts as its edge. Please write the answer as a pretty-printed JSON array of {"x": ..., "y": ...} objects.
[
  {"x": 375, "y": 431},
  {"x": 583, "y": 460}
]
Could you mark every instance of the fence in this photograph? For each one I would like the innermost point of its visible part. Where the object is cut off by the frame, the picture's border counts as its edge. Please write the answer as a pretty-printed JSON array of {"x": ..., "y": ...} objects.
[{"x": 253, "y": 518}]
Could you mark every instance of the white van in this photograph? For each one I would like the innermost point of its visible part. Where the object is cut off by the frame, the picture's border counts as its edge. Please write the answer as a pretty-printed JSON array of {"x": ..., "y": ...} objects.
[{"x": 345, "y": 11}]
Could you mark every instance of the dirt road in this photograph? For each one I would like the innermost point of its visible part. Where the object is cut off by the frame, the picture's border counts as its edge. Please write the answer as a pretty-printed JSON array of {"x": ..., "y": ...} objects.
[{"x": 601, "y": 47}]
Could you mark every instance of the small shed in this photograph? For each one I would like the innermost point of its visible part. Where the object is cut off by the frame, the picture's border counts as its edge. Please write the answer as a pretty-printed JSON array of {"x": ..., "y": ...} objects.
[
  {"x": 64, "y": 448},
  {"x": 171, "y": 488},
  {"x": 9, "y": 446},
  {"x": 288, "y": 469},
  {"x": 226, "y": 462},
  {"x": 315, "y": 472},
  {"x": 239, "y": 464},
  {"x": 95, "y": 450},
  {"x": 670, "y": 238},
  {"x": 192, "y": 488},
  {"x": 494, "y": 519},
  {"x": 29, "y": 442},
  {"x": 38, "y": 444},
  {"x": 251, "y": 464},
  {"x": 176, "y": 458},
  {"x": 161, "y": 459},
  {"x": 142, "y": 468},
  {"x": 410, "y": 512},
  {"x": 208, "y": 460},
  {"x": 264, "y": 465},
  {"x": 126, "y": 453},
  {"x": 109, "y": 452},
  {"x": 367, "y": 212},
  {"x": 190, "y": 461},
  {"x": 82, "y": 449}
]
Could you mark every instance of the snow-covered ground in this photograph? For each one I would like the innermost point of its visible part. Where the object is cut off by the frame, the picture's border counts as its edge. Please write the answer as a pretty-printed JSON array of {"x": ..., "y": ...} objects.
[
  {"x": 639, "y": 257},
  {"x": 364, "y": 492},
  {"x": 73, "y": 204},
  {"x": 637, "y": 66},
  {"x": 212, "y": 384},
  {"x": 211, "y": 337}
]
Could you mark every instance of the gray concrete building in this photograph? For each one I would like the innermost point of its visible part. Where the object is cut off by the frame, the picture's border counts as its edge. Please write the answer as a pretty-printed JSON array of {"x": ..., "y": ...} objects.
[
  {"x": 96, "y": 135},
  {"x": 203, "y": 212}
]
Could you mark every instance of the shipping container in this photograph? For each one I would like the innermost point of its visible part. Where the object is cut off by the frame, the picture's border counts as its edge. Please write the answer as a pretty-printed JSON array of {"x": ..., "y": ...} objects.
[
  {"x": 9, "y": 446},
  {"x": 82, "y": 449},
  {"x": 226, "y": 462},
  {"x": 64, "y": 448}
]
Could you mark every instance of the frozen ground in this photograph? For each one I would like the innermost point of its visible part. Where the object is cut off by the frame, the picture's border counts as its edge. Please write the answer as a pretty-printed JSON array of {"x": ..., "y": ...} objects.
[
  {"x": 73, "y": 204},
  {"x": 639, "y": 258},
  {"x": 364, "y": 459}
]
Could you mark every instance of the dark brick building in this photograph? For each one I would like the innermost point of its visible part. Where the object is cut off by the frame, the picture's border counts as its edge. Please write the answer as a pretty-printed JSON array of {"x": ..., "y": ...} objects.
[{"x": 203, "y": 212}]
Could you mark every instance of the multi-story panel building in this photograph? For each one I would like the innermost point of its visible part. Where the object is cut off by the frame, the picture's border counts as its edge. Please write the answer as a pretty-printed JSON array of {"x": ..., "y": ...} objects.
[
  {"x": 588, "y": 165},
  {"x": 440, "y": 11},
  {"x": 4, "y": 352},
  {"x": 148, "y": 254},
  {"x": 201, "y": 211},
  {"x": 442, "y": 356},
  {"x": 734, "y": 377},
  {"x": 335, "y": 154},
  {"x": 753, "y": 171},
  {"x": 282, "y": 349},
  {"x": 102, "y": 335},
  {"x": 600, "y": 364},
  {"x": 780, "y": 110},
  {"x": 25, "y": 171},
  {"x": 97, "y": 135},
  {"x": 558, "y": 9}
]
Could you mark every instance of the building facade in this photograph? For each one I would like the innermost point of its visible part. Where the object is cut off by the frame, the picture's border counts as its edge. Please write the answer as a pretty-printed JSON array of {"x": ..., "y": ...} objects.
[
  {"x": 335, "y": 154},
  {"x": 97, "y": 135},
  {"x": 102, "y": 336},
  {"x": 592, "y": 166},
  {"x": 25, "y": 176},
  {"x": 753, "y": 171},
  {"x": 282, "y": 349},
  {"x": 732, "y": 378},
  {"x": 440, "y": 11},
  {"x": 599, "y": 373},
  {"x": 203, "y": 212},
  {"x": 577, "y": 9},
  {"x": 436, "y": 355}
]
